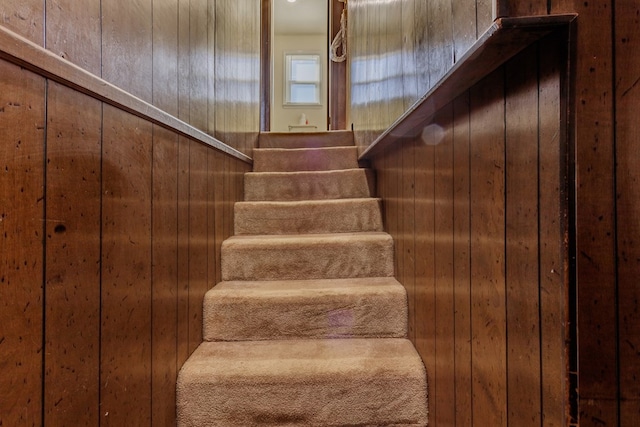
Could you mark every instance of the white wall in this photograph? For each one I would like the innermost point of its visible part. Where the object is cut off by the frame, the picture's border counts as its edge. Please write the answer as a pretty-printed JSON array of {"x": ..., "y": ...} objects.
[{"x": 281, "y": 116}]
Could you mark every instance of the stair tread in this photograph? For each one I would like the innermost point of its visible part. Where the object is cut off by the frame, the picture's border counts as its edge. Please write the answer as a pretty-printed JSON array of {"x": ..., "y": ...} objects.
[
  {"x": 284, "y": 309},
  {"x": 304, "y": 382}
]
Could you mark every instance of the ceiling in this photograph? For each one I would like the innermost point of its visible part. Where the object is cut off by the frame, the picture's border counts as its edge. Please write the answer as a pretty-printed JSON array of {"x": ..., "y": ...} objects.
[{"x": 301, "y": 17}]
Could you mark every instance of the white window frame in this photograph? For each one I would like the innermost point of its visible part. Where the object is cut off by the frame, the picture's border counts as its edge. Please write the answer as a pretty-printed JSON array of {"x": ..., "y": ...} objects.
[{"x": 288, "y": 57}]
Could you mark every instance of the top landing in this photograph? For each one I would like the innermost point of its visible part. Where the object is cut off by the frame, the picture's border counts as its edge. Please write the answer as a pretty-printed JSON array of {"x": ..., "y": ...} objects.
[{"x": 334, "y": 138}]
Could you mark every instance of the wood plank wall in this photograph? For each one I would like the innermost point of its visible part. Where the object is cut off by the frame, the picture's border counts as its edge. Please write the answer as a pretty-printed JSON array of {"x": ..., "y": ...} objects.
[
  {"x": 602, "y": 292},
  {"x": 110, "y": 226},
  {"x": 399, "y": 49},
  {"x": 481, "y": 250}
]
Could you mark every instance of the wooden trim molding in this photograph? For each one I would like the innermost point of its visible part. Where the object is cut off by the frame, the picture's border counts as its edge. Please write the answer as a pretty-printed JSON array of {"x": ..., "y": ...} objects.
[
  {"x": 503, "y": 40},
  {"x": 20, "y": 51},
  {"x": 265, "y": 66}
]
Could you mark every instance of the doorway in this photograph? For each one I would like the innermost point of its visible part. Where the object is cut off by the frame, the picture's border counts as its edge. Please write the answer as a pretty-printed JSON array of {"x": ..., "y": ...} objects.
[{"x": 301, "y": 89}]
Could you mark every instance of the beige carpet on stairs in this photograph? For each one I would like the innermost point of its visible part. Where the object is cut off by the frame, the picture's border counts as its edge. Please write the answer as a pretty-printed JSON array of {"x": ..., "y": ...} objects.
[{"x": 309, "y": 326}]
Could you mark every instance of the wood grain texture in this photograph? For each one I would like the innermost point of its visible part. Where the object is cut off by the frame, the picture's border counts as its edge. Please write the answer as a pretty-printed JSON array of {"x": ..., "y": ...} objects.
[
  {"x": 127, "y": 54},
  {"x": 22, "y": 124},
  {"x": 198, "y": 64},
  {"x": 410, "y": 76},
  {"x": 218, "y": 172},
  {"x": 73, "y": 32},
  {"x": 125, "y": 359},
  {"x": 164, "y": 313},
  {"x": 553, "y": 207},
  {"x": 440, "y": 30},
  {"x": 100, "y": 206},
  {"x": 444, "y": 375},
  {"x": 424, "y": 314},
  {"x": 72, "y": 312},
  {"x": 504, "y": 39},
  {"x": 488, "y": 311},
  {"x": 595, "y": 191},
  {"x": 522, "y": 240},
  {"x": 464, "y": 26},
  {"x": 25, "y": 17},
  {"x": 184, "y": 192},
  {"x": 165, "y": 56},
  {"x": 198, "y": 233},
  {"x": 184, "y": 62},
  {"x": 408, "y": 212},
  {"x": 628, "y": 207},
  {"x": 462, "y": 261}
]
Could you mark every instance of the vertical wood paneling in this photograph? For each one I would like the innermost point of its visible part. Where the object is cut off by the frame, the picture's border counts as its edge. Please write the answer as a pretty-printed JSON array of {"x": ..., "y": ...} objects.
[
  {"x": 444, "y": 375},
  {"x": 463, "y": 14},
  {"x": 72, "y": 312},
  {"x": 164, "y": 320},
  {"x": 183, "y": 249},
  {"x": 597, "y": 292},
  {"x": 211, "y": 67},
  {"x": 522, "y": 270},
  {"x": 553, "y": 230},
  {"x": 123, "y": 290},
  {"x": 184, "y": 62},
  {"x": 391, "y": 24},
  {"x": 219, "y": 179},
  {"x": 165, "y": 55},
  {"x": 410, "y": 74},
  {"x": 127, "y": 54},
  {"x": 628, "y": 206},
  {"x": 488, "y": 252},
  {"x": 212, "y": 254},
  {"x": 198, "y": 52},
  {"x": 22, "y": 120},
  {"x": 407, "y": 196},
  {"x": 440, "y": 39},
  {"x": 422, "y": 45},
  {"x": 125, "y": 371},
  {"x": 484, "y": 15},
  {"x": 424, "y": 315},
  {"x": 25, "y": 17},
  {"x": 462, "y": 261},
  {"x": 73, "y": 32},
  {"x": 221, "y": 60},
  {"x": 197, "y": 240}
]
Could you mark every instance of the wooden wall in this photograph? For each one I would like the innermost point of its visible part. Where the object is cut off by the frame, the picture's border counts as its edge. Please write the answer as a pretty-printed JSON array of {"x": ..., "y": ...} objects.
[
  {"x": 399, "y": 49},
  {"x": 602, "y": 205},
  {"x": 110, "y": 226},
  {"x": 481, "y": 250}
]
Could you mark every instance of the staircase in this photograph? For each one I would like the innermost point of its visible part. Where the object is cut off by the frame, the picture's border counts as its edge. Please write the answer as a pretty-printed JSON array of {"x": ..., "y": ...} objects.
[{"x": 308, "y": 326}]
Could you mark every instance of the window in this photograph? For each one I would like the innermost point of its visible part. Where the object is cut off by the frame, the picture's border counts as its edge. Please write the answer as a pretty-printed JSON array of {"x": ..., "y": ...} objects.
[{"x": 302, "y": 85}]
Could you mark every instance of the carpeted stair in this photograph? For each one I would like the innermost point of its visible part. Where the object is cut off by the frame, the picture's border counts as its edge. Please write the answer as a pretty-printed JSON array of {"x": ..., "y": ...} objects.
[{"x": 308, "y": 326}]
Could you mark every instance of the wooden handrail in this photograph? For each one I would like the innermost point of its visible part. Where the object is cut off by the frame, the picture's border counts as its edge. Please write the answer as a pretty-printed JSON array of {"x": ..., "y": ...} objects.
[
  {"x": 20, "y": 51},
  {"x": 502, "y": 41}
]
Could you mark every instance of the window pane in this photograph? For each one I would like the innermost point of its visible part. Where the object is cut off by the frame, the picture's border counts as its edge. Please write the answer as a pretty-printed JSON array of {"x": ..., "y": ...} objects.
[
  {"x": 305, "y": 70},
  {"x": 303, "y": 93}
]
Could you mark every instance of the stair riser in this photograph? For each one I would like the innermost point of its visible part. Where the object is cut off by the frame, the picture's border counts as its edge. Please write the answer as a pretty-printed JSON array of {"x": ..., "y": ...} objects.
[
  {"x": 303, "y": 383},
  {"x": 344, "y": 184},
  {"x": 324, "y": 260},
  {"x": 363, "y": 312},
  {"x": 324, "y": 159},
  {"x": 306, "y": 140},
  {"x": 346, "y": 216}
]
